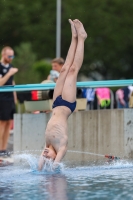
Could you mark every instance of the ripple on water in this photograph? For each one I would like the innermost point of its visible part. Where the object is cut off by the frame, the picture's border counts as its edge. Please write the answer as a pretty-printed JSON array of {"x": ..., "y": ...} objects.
[{"x": 112, "y": 180}]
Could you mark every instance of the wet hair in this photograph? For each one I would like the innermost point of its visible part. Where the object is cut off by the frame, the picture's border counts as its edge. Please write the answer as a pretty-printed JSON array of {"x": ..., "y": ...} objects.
[
  {"x": 5, "y": 48},
  {"x": 60, "y": 61}
]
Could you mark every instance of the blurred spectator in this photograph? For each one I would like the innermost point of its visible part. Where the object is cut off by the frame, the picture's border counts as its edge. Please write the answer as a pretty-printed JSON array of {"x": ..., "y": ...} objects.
[
  {"x": 122, "y": 96},
  {"x": 7, "y": 99},
  {"x": 57, "y": 64},
  {"x": 131, "y": 97},
  {"x": 89, "y": 94},
  {"x": 104, "y": 97},
  {"x": 99, "y": 98}
]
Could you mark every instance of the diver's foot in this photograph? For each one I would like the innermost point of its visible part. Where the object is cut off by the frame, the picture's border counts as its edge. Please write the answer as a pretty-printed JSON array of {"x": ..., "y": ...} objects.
[
  {"x": 73, "y": 29},
  {"x": 80, "y": 29}
]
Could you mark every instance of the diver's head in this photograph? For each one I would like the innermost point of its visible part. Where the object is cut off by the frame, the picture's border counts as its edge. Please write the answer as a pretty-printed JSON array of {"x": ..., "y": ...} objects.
[{"x": 49, "y": 153}]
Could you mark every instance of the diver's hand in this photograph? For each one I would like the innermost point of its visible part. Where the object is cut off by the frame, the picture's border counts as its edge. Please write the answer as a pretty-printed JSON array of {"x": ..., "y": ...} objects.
[{"x": 41, "y": 163}]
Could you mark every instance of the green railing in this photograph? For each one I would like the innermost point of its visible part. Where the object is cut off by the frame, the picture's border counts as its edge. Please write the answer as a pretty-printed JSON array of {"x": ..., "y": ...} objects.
[{"x": 48, "y": 86}]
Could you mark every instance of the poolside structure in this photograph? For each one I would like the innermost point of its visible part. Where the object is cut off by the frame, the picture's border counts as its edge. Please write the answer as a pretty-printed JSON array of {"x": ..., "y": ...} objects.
[{"x": 96, "y": 131}]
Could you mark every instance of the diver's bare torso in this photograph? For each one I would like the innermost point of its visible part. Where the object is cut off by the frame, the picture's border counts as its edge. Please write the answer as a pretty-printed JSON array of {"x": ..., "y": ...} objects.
[{"x": 56, "y": 131}]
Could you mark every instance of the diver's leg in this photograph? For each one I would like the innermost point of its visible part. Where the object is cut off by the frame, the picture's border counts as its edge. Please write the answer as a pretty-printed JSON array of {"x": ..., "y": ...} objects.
[
  {"x": 68, "y": 62},
  {"x": 69, "y": 89}
]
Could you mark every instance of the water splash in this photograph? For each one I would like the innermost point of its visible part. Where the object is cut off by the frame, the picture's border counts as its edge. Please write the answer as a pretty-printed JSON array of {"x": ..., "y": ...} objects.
[
  {"x": 50, "y": 168},
  {"x": 27, "y": 159},
  {"x": 110, "y": 157},
  {"x": 84, "y": 152},
  {"x": 32, "y": 161}
]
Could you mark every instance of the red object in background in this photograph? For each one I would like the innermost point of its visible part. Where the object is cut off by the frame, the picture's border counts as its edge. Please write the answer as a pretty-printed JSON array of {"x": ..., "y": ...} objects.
[
  {"x": 112, "y": 157},
  {"x": 34, "y": 95}
]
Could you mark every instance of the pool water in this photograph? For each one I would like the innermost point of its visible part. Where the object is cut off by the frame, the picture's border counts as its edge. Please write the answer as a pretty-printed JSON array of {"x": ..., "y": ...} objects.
[{"x": 92, "y": 181}]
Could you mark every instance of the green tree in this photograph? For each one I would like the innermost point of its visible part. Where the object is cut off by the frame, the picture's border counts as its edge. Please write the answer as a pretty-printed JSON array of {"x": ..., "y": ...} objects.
[
  {"x": 24, "y": 61},
  {"x": 108, "y": 48},
  {"x": 43, "y": 68},
  {"x": 29, "y": 21}
]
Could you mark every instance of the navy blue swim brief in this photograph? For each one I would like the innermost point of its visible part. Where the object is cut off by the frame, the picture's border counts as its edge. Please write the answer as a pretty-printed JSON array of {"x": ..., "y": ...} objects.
[{"x": 61, "y": 102}]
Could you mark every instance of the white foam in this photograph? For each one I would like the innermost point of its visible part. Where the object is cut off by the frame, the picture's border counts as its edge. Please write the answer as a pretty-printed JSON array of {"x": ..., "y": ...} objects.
[{"x": 32, "y": 161}]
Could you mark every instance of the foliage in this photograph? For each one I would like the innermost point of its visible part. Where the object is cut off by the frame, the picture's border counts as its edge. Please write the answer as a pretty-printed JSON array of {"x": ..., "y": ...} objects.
[
  {"x": 24, "y": 61},
  {"x": 109, "y": 24},
  {"x": 109, "y": 47},
  {"x": 29, "y": 21},
  {"x": 43, "y": 68}
]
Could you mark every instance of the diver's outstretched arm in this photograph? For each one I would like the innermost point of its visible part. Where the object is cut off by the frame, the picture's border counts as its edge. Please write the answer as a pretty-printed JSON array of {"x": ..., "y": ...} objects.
[
  {"x": 41, "y": 162},
  {"x": 61, "y": 153}
]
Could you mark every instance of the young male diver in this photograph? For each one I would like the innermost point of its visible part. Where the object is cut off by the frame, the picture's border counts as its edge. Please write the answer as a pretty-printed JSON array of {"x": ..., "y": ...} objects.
[{"x": 64, "y": 97}]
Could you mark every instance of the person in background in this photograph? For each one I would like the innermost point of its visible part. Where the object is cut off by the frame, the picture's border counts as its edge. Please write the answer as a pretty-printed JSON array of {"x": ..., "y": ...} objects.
[
  {"x": 131, "y": 97},
  {"x": 57, "y": 64},
  {"x": 103, "y": 96},
  {"x": 89, "y": 94},
  {"x": 122, "y": 97},
  {"x": 7, "y": 99}
]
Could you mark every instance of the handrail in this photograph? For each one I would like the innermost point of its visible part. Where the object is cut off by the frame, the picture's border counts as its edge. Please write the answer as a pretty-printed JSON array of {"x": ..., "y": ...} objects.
[{"x": 48, "y": 86}]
